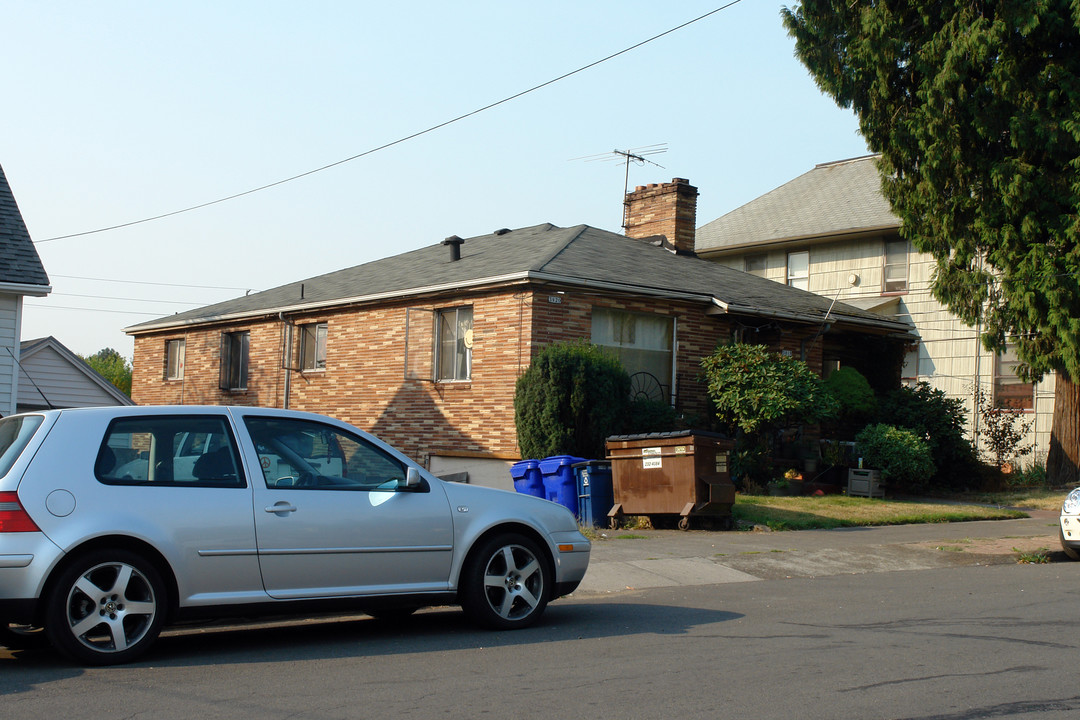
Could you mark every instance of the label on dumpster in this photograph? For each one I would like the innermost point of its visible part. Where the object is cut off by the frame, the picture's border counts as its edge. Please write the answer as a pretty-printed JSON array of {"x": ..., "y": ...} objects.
[
  {"x": 650, "y": 458},
  {"x": 680, "y": 449}
]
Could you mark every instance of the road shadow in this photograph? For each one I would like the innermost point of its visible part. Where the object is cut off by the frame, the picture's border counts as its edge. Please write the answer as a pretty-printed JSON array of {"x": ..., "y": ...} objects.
[{"x": 359, "y": 636}]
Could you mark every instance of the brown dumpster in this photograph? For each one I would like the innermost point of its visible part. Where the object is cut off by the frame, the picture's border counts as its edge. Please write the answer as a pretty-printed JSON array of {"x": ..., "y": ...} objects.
[{"x": 676, "y": 478}]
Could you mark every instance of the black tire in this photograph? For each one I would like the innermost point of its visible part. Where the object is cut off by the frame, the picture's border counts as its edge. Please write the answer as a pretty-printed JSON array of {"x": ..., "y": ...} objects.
[
  {"x": 1069, "y": 552},
  {"x": 22, "y": 637},
  {"x": 106, "y": 608},
  {"x": 506, "y": 583}
]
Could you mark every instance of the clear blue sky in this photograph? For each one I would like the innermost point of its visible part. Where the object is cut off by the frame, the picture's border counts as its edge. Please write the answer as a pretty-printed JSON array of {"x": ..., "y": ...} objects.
[{"x": 117, "y": 111}]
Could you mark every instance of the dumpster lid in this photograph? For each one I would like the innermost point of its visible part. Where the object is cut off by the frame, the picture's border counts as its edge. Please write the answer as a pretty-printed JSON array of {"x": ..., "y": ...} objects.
[{"x": 672, "y": 434}]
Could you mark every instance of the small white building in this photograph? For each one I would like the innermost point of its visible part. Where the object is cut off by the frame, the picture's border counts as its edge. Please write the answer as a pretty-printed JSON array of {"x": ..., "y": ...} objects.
[
  {"x": 52, "y": 376},
  {"x": 21, "y": 275},
  {"x": 831, "y": 231}
]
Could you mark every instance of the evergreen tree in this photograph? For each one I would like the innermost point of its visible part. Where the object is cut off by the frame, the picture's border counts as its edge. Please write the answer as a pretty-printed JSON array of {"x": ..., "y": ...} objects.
[{"x": 975, "y": 109}]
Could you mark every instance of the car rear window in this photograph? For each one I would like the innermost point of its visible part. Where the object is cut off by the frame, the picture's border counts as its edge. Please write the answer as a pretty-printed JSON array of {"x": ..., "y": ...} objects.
[
  {"x": 176, "y": 450},
  {"x": 15, "y": 434}
]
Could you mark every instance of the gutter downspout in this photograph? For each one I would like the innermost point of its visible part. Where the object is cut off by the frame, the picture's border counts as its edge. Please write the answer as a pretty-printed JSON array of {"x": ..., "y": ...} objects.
[{"x": 286, "y": 356}]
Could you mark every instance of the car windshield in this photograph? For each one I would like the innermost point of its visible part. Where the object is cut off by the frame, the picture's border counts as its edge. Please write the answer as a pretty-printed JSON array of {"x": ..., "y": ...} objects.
[{"x": 15, "y": 434}]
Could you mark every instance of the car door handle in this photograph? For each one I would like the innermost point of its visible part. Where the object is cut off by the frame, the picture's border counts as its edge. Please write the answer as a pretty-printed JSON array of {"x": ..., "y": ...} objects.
[{"x": 281, "y": 508}]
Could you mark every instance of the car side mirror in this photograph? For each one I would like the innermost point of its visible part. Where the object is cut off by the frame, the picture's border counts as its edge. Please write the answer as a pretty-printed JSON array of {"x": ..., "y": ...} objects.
[{"x": 412, "y": 480}]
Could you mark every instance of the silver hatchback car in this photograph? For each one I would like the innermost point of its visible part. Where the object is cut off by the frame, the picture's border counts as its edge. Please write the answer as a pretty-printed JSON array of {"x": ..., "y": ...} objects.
[{"x": 117, "y": 521}]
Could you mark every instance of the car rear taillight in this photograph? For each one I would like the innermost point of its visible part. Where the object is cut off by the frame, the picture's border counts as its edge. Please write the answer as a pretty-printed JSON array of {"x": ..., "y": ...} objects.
[{"x": 12, "y": 516}]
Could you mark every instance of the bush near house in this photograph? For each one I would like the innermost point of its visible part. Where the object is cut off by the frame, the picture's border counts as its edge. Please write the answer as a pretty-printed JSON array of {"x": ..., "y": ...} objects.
[
  {"x": 853, "y": 394},
  {"x": 756, "y": 392},
  {"x": 938, "y": 421},
  {"x": 569, "y": 400},
  {"x": 902, "y": 457}
]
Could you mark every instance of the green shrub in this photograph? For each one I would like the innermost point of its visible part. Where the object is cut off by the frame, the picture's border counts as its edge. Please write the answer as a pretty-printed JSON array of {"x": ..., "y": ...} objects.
[
  {"x": 852, "y": 393},
  {"x": 902, "y": 457},
  {"x": 651, "y": 416},
  {"x": 939, "y": 421},
  {"x": 754, "y": 390},
  {"x": 569, "y": 400}
]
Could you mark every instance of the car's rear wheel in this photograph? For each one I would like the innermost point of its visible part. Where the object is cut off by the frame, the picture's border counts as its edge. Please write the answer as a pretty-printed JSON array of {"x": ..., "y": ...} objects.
[
  {"x": 106, "y": 607},
  {"x": 506, "y": 583}
]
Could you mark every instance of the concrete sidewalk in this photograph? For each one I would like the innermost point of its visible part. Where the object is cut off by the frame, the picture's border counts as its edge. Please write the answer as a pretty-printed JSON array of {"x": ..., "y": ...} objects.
[{"x": 634, "y": 559}]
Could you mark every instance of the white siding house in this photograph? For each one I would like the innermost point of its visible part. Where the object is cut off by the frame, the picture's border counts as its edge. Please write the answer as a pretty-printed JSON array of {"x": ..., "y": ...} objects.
[
  {"x": 21, "y": 274},
  {"x": 832, "y": 232},
  {"x": 54, "y": 377}
]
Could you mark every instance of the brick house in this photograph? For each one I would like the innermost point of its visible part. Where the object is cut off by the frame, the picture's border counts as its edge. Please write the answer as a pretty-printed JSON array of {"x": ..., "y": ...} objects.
[
  {"x": 832, "y": 232},
  {"x": 424, "y": 348}
]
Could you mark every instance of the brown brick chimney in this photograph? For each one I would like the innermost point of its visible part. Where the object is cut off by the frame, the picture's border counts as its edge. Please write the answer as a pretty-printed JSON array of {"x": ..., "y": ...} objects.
[{"x": 668, "y": 209}]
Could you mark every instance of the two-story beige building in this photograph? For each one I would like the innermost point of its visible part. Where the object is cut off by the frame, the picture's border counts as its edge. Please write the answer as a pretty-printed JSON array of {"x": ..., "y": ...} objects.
[{"x": 831, "y": 231}]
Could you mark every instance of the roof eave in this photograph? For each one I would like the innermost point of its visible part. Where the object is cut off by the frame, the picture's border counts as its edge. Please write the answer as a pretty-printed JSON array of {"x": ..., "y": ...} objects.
[{"x": 28, "y": 289}]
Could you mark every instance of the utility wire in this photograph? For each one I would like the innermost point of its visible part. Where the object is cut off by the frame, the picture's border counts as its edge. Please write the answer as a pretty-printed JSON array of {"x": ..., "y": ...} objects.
[
  {"x": 399, "y": 140},
  {"x": 142, "y": 282}
]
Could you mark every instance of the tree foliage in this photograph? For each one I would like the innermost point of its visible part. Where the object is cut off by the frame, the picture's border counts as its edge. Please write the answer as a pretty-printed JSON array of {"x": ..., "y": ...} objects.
[
  {"x": 974, "y": 109},
  {"x": 754, "y": 390},
  {"x": 569, "y": 400},
  {"x": 112, "y": 366}
]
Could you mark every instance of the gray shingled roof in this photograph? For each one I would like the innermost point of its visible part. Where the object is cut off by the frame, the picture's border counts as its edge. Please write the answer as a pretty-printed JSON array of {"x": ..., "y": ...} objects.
[
  {"x": 19, "y": 261},
  {"x": 832, "y": 199},
  {"x": 581, "y": 256}
]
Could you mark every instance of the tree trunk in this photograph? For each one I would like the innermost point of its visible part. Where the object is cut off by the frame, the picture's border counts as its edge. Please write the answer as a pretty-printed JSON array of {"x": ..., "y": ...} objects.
[{"x": 1063, "y": 460}]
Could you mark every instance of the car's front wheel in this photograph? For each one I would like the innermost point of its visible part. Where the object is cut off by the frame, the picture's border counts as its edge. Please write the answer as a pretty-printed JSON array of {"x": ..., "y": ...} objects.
[
  {"x": 106, "y": 607},
  {"x": 506, "y": 583},
  {"x": 1070, "y": 553}
]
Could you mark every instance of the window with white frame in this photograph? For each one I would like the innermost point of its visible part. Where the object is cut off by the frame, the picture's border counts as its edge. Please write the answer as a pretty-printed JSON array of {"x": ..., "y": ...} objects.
[
  {"x": 453, "y": 344},
  {"x": 234, "y": 361},
  {"x": 174, "y": 359},
  {"x": 896, "y": 266},
  {"x": 756, "y": 264},
  {"x": 643, "y": 343},
  {"x": 1010, "y": 392},
  {"x": 798, "y": 269},
  {"x": 313, "y": 346}
]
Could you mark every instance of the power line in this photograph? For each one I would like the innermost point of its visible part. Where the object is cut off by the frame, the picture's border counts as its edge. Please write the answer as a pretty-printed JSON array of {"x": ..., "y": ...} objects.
[
  {"x": 98, "y": 310},
  {"x": 144, "y": 282},
  {"x": 113, "y": 297},
  {"x": 399, "y": 140}
]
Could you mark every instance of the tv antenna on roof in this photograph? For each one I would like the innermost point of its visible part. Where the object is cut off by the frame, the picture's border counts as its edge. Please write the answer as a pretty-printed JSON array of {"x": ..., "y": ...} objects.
[{"x": 637, "y": 156}]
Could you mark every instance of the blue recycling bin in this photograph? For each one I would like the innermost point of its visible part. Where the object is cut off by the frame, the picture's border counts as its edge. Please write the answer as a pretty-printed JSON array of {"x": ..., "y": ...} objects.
[
  {"x": 559, "y": 483},
  {"x": 527, "y": 478},
  {"x": 596, "y": 495}
]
